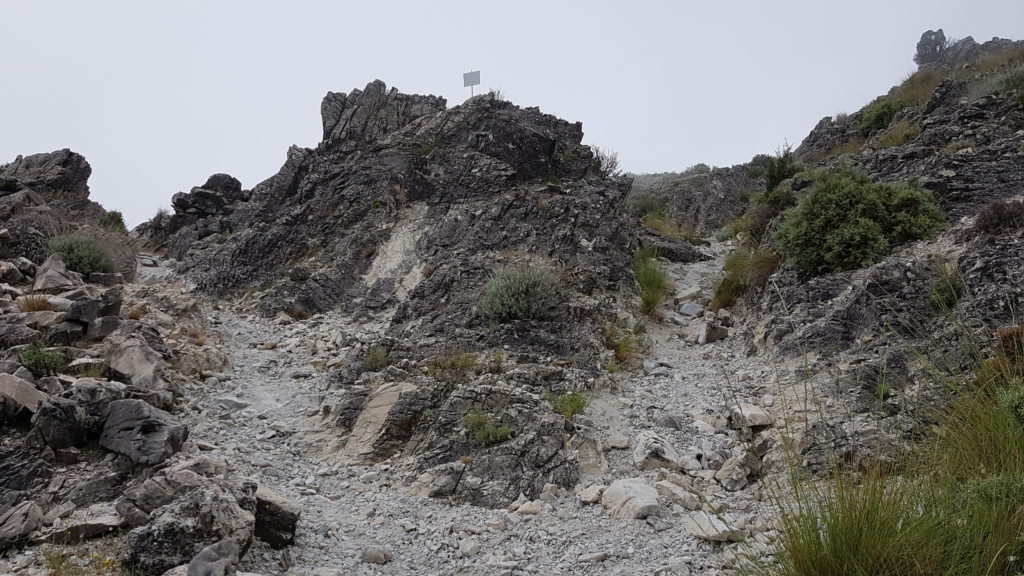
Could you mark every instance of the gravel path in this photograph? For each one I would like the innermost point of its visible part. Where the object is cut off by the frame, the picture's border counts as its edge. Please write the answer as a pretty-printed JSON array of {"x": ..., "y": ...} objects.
[{"x": 264, "y": 419}]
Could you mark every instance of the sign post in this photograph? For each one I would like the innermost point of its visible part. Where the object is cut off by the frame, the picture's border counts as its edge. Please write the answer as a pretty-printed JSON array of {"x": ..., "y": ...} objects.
[{"x": 471, "y": 79}]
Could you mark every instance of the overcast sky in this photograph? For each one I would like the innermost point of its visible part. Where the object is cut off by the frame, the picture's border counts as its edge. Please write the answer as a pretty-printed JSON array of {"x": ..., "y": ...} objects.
[{"x": 157, "y": 98}]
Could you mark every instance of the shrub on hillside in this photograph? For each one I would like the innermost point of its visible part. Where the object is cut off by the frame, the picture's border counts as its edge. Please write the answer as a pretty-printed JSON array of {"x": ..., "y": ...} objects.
[
  {"x": 42, "y": 362},
  {"x": 113, "y": 221},
  {"x": 744, "y": 270},
  {"x": 483, "y": 428},
  {"x": 81, "y": 254},
  {"x": 879, "y": 114},
  {"x": 779, "y": 167},
  {"x": 521, "y": 294},
  {"x": 607, "y": 162},
  {"x": 847, "y": 221}
]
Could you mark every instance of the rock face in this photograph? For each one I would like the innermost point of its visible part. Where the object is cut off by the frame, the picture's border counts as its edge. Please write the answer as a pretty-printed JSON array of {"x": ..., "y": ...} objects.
[{"x": 58, "y": 177}]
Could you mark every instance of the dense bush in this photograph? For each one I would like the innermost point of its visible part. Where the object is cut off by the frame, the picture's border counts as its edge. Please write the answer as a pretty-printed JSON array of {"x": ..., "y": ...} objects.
[
  {"x": 42, "y": 362},
  {"x": 521, "y": 294},
  {"x": 81, "y": 254},
  {"x": 375, "y": 359},
  {"x": 877, "y": 115},
  {"x": 568, "y": 405},
  {"x": 847, "y": 221},
  {"x": 113, "y": 221},
  {"x": 779, "y": 167}
]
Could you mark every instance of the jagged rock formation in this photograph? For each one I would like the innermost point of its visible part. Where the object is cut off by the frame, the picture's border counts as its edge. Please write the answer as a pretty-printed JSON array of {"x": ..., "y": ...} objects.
[
  {"x": 401, "y": 215},
  {"x": 703, "y": 199}
]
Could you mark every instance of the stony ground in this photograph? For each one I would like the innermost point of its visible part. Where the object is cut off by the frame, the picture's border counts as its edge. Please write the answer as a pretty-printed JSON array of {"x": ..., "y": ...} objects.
[{"x": 264, "y": 416}]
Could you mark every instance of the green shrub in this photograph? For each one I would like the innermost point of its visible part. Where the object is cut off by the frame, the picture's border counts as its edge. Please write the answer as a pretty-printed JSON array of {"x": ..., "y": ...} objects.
[
  {"x": 623, "y": 344},
  {"x": 654, "y": 282},
  {"x": 113, "y": 221},
  {"x": 375, "y": 359},
  {"x": 568, "y": 405},
  {"x": 780, "y": 167},
  {"x": 877, "y": 115},
  {"x": 521, "y": 294},
  {"x": 81, "y": 254},
  {"x": 1000, "y": 217},
  {"x": 847, "y": 221},
  {"x": 42, "y": 362},
  {"x": 484, "y": 430},
  {"x": 744, "y": 270}
]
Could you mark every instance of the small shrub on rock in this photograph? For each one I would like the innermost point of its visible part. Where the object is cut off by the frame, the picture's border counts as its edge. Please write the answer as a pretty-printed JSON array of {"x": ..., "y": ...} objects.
[
  {"x": 879, "y": 114},
  {"x": 847, "y": 221},
  {"x": 946, "y": 290},
  {"x": 654, "y": 282},
  {"x": 778, "y": 168},
  {"x": 83, "y": 255},
  {"x": 1000, "y": 217},
  {"x": 522, "y": 294},
  {"x": 42, "y": 362},
  {"x": 744, "y": 269},
  {"x": 375, "y": 359},
  {"x": 568, "y": 405},
  {"x": 484, "y": 430}
]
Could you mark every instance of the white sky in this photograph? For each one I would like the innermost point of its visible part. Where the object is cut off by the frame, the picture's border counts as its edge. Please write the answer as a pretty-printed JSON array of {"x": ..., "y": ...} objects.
[{"x": 158, "y": 97}]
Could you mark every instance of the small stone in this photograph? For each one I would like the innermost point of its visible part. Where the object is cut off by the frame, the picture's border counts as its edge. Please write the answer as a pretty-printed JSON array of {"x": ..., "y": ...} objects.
[
  {"x": 618, "y": 442},
  {"x": 531, "y": 508},
  {"x": 630, "y": 498},
  {"x": 677, "y": 495},
  {"x": 592, "y": 494},
  {"x": 469, "y": 547},
  {"x": 691, "y": 310},
  {"x": 377, "y": 555},
  {"x": 744, "y": 415},
  {"x": 708, "y": 527},
  {"x": 593, "y": 557}
]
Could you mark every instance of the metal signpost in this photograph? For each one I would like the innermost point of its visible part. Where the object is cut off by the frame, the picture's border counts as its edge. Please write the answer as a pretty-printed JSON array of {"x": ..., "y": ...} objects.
[{"x": 471, "y": 79}]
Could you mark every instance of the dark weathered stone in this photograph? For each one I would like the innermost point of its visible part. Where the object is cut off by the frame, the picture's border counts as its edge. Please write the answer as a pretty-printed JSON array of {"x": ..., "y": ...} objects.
[
  {"x": 276, "y": 518},
  {"x": 144, "y": 434}
]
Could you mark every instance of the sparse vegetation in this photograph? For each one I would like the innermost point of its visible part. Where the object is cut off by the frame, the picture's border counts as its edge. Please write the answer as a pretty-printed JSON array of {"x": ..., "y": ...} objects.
[
  {"x": 780, "y": 167},
  {"x": 607, "y": 162},
  {"x": 375, "y": 359},
  {"x": 899, "y": 134},
  {"x": 568, "y": 405},
  {"x": 485, "y": 429},
  {"x": 137, "y": 313},
  {"x": 297, "y": 312},
  {"x": 879, "y": 114},
  {"x": 42, "y": 362},
  {"x": 917, "y": 89},
  {"x": 521, "y": 293},
  {"x": 654, "y": 282},
  {"x": 847, "y": 221},
  {"x": 81, "y": 254},
  {"x": 453, "y": 367},
  {"x": 663, "y": 222},
  {"x": 956, "y": 146},
  {"x": 624, "y": 344},
  {"x": 1000, "y": 217}
]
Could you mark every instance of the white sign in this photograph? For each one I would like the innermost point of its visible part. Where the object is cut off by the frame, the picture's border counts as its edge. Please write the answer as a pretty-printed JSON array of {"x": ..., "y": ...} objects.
[{"x": 471, "y": 79}]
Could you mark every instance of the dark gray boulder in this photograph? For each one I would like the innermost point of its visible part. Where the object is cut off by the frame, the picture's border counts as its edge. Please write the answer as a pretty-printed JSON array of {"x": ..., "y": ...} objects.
[
  {"x": 146, "y": 435},
  {"x": 276, "y": 518}
]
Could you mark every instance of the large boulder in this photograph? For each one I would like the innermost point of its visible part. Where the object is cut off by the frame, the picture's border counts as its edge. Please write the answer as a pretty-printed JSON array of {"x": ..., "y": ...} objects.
[
  {"x": 59, "y": 177},
  {"x": 53, "y": 276},
  {"x": 137, "y": 352},
  {"x": 143, "y": 433},
  {"x": 182, "y": 529},
  {"x": 18, "y": 397},
  {"x": 276, "y": 518},
  {"x": 78, "y": 415}
]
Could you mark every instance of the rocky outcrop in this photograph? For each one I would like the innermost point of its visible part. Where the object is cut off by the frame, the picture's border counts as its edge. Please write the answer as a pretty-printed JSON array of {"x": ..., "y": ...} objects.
[
  {"x": 144, "y": 434},
  {"x": 702, "y": 199}
]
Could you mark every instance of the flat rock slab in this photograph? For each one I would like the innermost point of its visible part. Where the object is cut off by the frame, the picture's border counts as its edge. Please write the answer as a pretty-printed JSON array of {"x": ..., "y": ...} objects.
[
  {"x": 712, "y": 528},
  {"x": 17, "y": 394},
  {"x": 631, "y": 498},
  {"x": 748, "y": 415}
]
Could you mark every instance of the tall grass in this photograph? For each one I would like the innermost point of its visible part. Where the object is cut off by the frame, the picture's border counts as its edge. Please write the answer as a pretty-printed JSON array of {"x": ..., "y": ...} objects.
[{"x": 653, "y": 280}]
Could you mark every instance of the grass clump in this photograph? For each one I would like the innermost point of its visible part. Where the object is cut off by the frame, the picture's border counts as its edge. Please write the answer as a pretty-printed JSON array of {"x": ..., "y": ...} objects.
[
  {"x": 485, "y": 429},
  {"x": 744, "y": 269},
  {"x": 568, "y": 405},
  {"x": 956, "y": 146},
  {"x": 664, "y": 223},
  {"x": 947, "y": 289},
  {"x": 375, "y": 359},
  {"x": 42, "y": 362},
  {"x": 654, "y": 282},
  {"x": 917, "y": 89},
  {"x": 899, "y": 134},
  {"x": 878, "y": 115},
  {"x": 522, "y": 293},
  {"x": 454, "y": 367},
  {"x": 847, "y": 221},
  {"x": 1000, "y": 217},
  {"x": 34, "y": 303},
  {"x": 623, "y": 343},
  {"x": 81, "y": 254}
]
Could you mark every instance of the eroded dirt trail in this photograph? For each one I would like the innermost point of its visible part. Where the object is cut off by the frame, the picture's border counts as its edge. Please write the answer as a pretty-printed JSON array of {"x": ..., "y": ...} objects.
[{"x": 266, "y": 419}]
